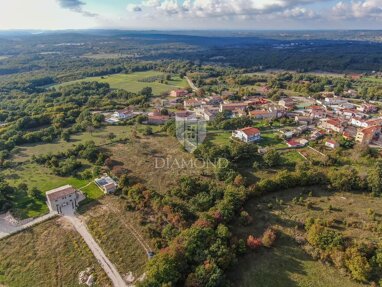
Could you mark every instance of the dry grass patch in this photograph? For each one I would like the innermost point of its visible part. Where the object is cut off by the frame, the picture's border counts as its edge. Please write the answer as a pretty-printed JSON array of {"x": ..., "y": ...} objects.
[{"x": 49, "y": 254}]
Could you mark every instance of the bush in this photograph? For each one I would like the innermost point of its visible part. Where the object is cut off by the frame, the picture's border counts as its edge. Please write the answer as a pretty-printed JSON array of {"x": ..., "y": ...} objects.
[{"x": 269, "y": 237}]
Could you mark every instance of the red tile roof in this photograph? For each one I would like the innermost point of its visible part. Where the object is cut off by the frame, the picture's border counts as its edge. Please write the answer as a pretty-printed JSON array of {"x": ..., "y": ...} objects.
[{"x": 249, "y": 131}]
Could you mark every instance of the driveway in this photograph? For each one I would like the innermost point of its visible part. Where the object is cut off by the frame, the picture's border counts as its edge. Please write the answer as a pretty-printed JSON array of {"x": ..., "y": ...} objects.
[
  {"x": 105, "y": 263},
  {"x": 9, "y": 225}
]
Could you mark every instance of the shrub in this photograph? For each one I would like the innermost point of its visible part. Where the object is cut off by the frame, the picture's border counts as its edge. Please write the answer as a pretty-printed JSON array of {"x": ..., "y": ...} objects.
[{"x": 269, "y": 237}]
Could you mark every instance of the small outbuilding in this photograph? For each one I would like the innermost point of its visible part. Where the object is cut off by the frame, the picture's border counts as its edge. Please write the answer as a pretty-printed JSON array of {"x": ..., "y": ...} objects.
[{"x": 107, "y": 184}]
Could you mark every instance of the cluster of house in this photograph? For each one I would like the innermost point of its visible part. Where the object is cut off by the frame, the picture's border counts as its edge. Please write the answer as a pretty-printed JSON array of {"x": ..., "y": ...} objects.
[
  {"x": 336, "y": 115},
  {"x": 331, "y": 114}
]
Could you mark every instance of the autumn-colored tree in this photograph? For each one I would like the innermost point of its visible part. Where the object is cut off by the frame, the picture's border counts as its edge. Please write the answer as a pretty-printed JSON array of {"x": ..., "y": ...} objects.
[{"x": 253, "y": 242}]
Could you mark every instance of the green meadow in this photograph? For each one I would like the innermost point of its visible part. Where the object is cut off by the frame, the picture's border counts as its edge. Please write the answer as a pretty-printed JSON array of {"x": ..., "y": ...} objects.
[{"x": 135, "y": 82}]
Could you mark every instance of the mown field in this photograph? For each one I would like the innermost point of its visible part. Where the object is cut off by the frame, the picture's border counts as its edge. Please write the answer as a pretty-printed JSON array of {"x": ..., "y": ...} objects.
[
  {"x": 346, "y": 212},
  {"x": 135, "y": 82},
  {"x": 50, "y": 254}
]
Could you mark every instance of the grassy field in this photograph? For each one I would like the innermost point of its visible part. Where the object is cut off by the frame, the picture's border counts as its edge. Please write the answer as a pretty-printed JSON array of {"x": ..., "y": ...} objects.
[
  {"x": 271, "y": 139},
  {"x": 50, "y": 254},
  {"x": 219, "y": 138},
  {"x": 109, "y": 228},
  {"x": 146, "y": 158},
  {"x": 347, "y": 212},
  {"x": 135, "y": 82},
  {"x": 100, "y": 137},
  {"x": 372, "y": 79}
]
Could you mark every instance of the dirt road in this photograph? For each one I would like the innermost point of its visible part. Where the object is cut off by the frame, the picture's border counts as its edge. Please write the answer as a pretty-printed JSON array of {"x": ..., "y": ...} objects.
[{"x": 105, "y": 263}]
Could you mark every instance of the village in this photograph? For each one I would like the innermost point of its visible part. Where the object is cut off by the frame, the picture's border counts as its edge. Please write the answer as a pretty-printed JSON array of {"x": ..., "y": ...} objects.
[{"x": 331, "y": 118}]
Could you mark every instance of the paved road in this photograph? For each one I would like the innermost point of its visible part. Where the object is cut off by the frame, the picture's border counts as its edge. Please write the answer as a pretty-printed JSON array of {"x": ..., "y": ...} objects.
[{"x": 105, "y": 263}]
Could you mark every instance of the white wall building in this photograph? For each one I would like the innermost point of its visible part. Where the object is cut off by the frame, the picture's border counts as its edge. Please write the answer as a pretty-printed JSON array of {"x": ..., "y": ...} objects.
[{"x": 62, "y": 197}]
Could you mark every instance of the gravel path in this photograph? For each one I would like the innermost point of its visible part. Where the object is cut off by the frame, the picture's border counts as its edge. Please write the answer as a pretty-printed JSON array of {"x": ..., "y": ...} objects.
[{"x": 105, "y": 263}]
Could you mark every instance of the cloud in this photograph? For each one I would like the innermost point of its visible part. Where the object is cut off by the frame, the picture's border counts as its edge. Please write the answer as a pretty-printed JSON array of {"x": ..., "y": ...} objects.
[
  {"x": 76, "y": 6},
  {"x": 133, "y": 8},
  {"x": 301, "y": 14},
  {"x": 228, "y": 8},
  {"x": 358, "y": 9}
]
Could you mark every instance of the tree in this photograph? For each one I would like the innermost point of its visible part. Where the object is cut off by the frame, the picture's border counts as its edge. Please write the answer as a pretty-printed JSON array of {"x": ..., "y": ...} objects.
[
  {"x": 245, "y": 218},
  {"x": 65, "y": 135},
  {"x": 123, "y": 181},
  {"x": 253, "y": 243},
  {"x": 147, "y": 92},
  {"x": 374, "y": 179},
  {"x": 35, "y": 193},
  {"x": 272, "y": 158},
  {"x": 357, "y": 264},
  {"x": 148, "y": 131},
  {"x": 111, "y": 136},
  {"x": 163, "y": 270}
]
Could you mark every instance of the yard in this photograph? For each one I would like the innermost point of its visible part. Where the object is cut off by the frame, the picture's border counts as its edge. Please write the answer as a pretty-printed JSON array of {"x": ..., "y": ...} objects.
[
  {"x": 135, "y": 82},
  {"x": 50, "y": 254},
  {"x": 346, "y": 212},
  {"x": 34, "y": 175}
]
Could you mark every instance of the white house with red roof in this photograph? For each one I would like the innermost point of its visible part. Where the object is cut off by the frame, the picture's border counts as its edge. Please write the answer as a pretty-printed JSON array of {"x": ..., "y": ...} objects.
[
  {"x": 331, "y": 144},
  {"x": 247, "y": 135}
]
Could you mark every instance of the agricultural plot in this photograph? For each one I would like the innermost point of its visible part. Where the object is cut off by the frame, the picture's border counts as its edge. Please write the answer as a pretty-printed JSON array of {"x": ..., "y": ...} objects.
[
  {"x": 135, "y": 82},
  {"x": 50, "y": 254},
  {"x": 344, "y": 212}
]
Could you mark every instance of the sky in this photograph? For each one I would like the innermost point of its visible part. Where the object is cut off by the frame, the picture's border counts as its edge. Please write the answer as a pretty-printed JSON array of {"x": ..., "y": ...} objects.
[{"x": 191, "y": 14}]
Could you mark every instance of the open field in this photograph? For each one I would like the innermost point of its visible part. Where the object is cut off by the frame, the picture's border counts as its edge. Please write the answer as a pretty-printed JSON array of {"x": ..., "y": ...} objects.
[
  {"x": 220, "y": 138},
  {"x": 109, "y": 227},
  {"x": 100, "y": 137},
  {"x": 271, "y": 139},
  {"x": 135, "y": 82},
  {"x": 101, "y": 56},
  {"x": 372, "y": 79},
  {"x": 50, "y": 254},
  {"x": 152, "y": 160},
  {"x": 346, "y": 212}
]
